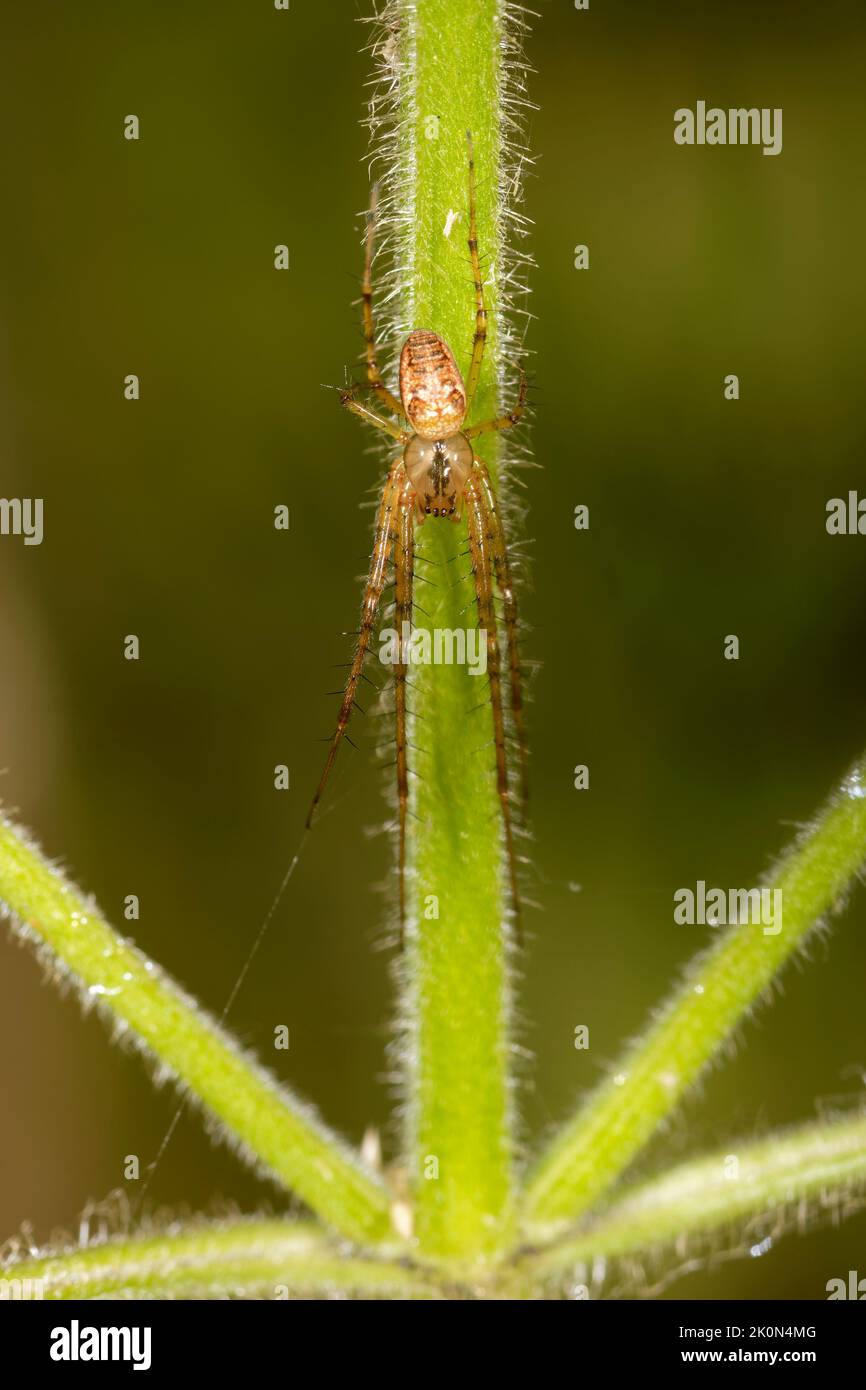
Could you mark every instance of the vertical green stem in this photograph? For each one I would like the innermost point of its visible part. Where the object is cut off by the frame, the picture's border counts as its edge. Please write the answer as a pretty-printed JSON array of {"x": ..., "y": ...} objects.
[{"x": 459, "y": 1110}]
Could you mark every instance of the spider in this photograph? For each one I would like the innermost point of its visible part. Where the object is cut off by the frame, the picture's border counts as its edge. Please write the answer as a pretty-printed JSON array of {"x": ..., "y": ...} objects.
[{"x": 436, "y": 474}]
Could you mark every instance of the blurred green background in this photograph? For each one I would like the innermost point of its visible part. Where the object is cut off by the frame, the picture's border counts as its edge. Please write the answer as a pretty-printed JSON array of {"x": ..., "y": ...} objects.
[{"x": 707, "y": 518}]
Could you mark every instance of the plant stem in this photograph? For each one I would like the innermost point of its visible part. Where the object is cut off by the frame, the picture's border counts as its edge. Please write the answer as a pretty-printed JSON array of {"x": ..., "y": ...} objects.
[
  {"x": 719, "y": 988},
  {"x": 249, "y": 1258},
  {"x": 263, "y": 1120},
  {"x": 818, "y": 1167},
  {"x": 459, "y": 1114}
]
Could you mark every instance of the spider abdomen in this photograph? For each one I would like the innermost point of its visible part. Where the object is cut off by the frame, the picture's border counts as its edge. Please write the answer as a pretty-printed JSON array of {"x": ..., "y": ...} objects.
[{"x": 431, "y": 387}]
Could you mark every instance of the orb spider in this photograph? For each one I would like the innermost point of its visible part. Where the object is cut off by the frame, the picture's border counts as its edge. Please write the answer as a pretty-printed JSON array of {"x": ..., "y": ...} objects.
[{"x": 436, "y": 474}]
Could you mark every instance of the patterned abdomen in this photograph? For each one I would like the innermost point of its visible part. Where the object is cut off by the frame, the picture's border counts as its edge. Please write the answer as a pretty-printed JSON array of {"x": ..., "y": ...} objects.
[{"x": 431, "y": 387}]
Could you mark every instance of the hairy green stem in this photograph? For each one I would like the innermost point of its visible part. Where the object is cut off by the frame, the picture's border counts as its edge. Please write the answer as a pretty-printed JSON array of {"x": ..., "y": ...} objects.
[
  {"x": 719, "y": 988},
  {"x": 459, "y": 1114},
  {"x": 245, "y": 1259},
  {"x": 783, "y": 1180},
  {"x": 266, "y": 1123}
]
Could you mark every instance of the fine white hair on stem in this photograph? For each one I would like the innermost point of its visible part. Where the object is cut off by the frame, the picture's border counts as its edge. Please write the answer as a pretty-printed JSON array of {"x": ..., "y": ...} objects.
[{"x": 432, "y": 61}]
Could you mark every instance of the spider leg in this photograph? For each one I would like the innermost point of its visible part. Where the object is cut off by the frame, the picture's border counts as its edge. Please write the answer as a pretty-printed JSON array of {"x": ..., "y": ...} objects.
[
  {"x": 373, "y": 374},
  {"x": 502, "y": 570},
  {"x": 482, "y": 539},
  {"x": 502, "y": 422},
  {"x": 480, "y": 339},
  {"x": 347, "y": 399},
  {"x": 383, "y": 544},
  {"x": 404, "y": 559}
]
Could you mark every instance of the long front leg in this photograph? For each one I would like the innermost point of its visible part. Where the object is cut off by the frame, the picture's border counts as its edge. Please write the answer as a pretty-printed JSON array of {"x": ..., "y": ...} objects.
[
  {"x": 480, "y": 338},
  {"x": 347, "y": 399},
  {"x": 481, "y": 546},
  {"x": 404, "y": 564},
  {"x": 502, "y": 570},
  {"x": 502, "y": 422},
  {"x": 383, "y": 545}
]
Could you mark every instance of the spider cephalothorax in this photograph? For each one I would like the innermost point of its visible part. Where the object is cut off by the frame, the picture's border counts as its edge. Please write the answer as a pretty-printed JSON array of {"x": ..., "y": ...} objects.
[
  {"x": 438, "y": 470},
  {"x": 436, "y": 474}
]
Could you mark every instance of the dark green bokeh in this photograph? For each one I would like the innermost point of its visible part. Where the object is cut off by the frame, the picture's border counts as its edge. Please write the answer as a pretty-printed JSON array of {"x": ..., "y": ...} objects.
[{"x": 707, "y": 518}]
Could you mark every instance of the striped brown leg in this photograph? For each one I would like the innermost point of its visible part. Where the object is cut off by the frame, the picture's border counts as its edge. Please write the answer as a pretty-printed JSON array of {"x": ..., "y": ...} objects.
[
  {"x": 480, "y": 338},
  {"x": 383, "y": 545},
  {"x": 404, "y": 564},
  {"x": 502, "y": 422},
  {"x": 363, "y": 412},
  {"x": 502, "y": 570},
  {"x": 482, "y": 544},
  {"x": 374, "y": 377}
]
